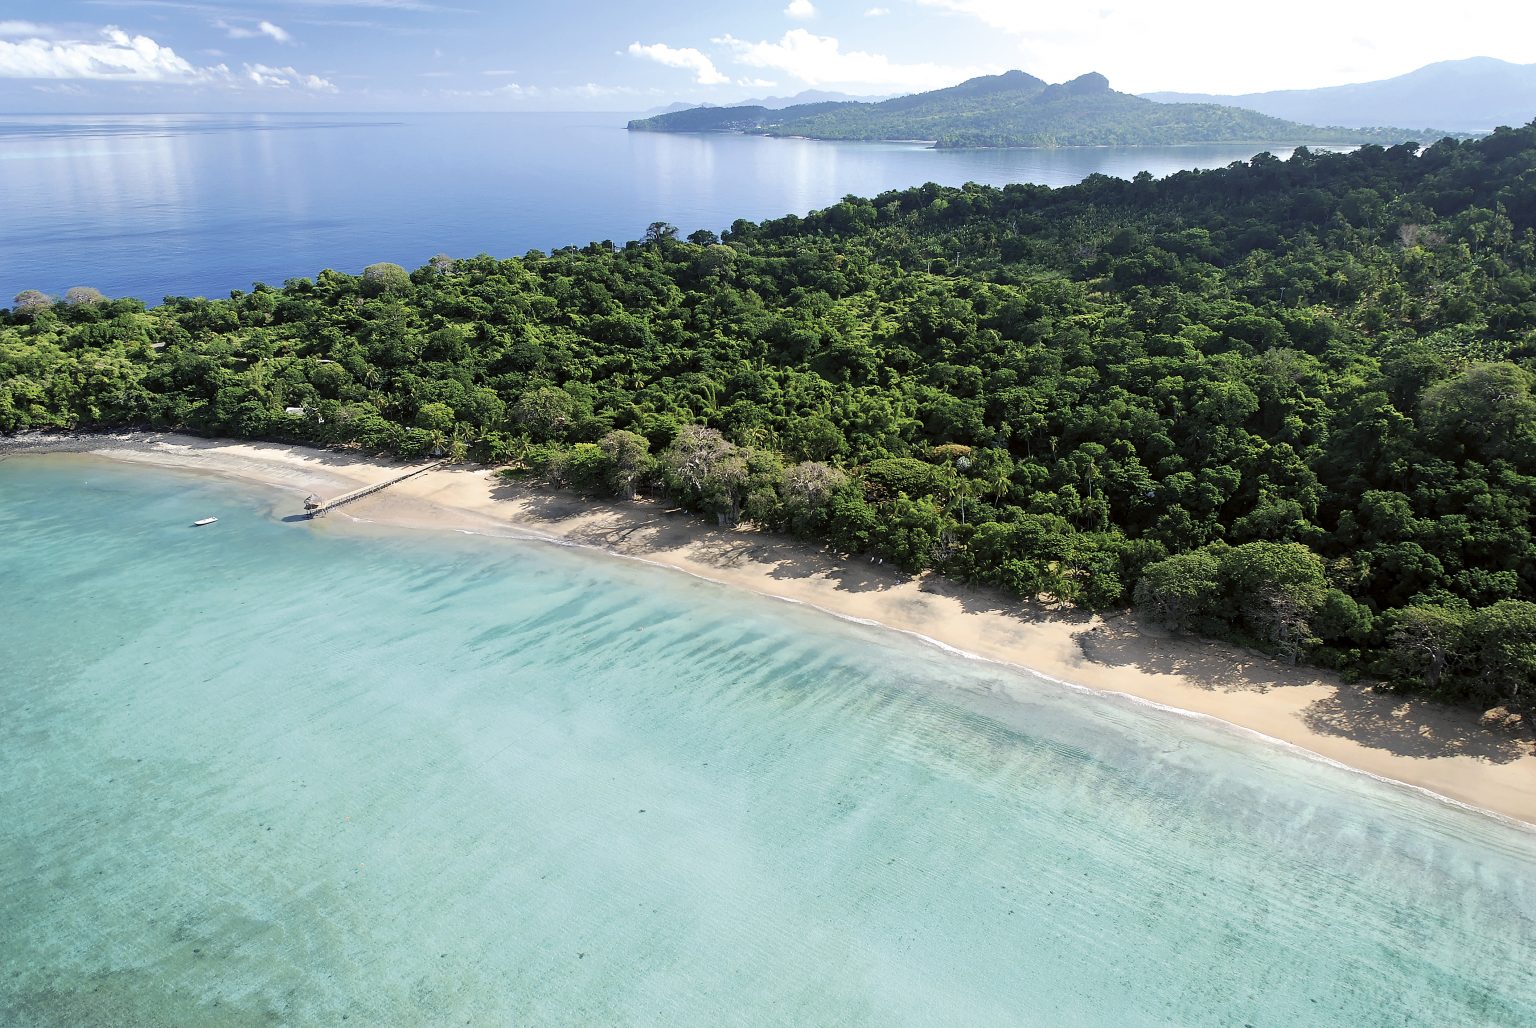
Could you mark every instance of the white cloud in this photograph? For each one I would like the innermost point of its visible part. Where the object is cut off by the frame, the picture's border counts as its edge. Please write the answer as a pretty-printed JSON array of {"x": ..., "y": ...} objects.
[
  {"x": 517, "y": 91},
  {"x": 387, "y": 5},
  {"x": 592, "y": 90},
  {"x": 877, "y": 12},
  {"x": 704, "y": 70},
  {"x": 820, "y": 60},
  {"x": 1006, "y": 15},
  {"x": 283, "y": 78},
  {"x": 511, "y": 90},
  {"x": 260, "y": 29},
  {"x": 118, "y": 57},
  {"x": 12, "y": 29},
  {"x": 266, "y": 28},
  {"x": 801, "y": 9}
]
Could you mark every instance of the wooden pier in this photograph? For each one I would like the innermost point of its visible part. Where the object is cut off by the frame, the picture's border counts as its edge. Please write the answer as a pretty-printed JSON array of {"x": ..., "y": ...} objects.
[{"x": 325, "y": 507}]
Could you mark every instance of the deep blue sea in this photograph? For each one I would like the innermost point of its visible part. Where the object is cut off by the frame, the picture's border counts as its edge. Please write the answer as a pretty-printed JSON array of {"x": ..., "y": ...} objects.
[
  {"x": 322, "y": 774},
  {"x": 154, "y": 206}
]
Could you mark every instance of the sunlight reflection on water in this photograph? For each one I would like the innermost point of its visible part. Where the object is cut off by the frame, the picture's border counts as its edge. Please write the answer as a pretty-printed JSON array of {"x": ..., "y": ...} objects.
[{"x": 204, "y": 204}]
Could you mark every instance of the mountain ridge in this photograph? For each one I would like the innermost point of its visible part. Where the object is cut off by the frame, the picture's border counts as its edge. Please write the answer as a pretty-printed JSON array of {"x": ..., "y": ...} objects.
[
  {"x": 1474, "y": 94},
  {"x": 1016, "y": 109}
]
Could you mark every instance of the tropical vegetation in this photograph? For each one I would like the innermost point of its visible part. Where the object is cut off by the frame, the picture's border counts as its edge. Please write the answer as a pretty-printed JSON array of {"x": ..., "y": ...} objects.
[{"x": 1287, "y": 402}]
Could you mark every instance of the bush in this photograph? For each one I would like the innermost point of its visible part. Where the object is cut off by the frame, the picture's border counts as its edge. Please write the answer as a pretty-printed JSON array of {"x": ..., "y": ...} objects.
[
  {"x": 385, "y": 278},
  {"x": 83, "y": 296}
]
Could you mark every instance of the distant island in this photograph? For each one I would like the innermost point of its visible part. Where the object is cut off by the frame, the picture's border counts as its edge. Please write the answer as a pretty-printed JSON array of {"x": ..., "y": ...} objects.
[
  {"x": 772, "y": 103},
  {"x": 1477, "y": 94},
  {"x": 1016, "y": 109}
]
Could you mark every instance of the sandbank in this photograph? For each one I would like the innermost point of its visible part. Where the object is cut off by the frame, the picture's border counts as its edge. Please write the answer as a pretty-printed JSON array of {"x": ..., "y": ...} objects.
[{"x": 1488, "y": 762}]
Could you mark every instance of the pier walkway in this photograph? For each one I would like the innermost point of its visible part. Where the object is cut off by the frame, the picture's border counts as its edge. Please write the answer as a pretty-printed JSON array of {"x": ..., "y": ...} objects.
[{"x": 369, "y": 490}]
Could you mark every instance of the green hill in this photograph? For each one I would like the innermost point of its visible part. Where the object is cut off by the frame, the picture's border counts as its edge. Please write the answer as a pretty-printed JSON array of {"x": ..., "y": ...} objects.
[{"x": 1018, "y": 109}]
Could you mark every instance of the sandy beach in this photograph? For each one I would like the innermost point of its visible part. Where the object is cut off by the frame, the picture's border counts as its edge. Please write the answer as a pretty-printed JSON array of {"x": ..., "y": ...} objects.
[{"x": 1489, "y": 764}]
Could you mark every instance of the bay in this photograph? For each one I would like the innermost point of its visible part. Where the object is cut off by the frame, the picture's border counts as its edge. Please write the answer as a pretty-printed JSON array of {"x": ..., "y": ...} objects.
[
  {"x": 165, "y": 205},
  {"x": 264, "y": 772}
]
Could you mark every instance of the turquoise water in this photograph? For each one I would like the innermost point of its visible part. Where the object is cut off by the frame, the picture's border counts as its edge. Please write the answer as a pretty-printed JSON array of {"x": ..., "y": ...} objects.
[{"x": 295, "y": 773}]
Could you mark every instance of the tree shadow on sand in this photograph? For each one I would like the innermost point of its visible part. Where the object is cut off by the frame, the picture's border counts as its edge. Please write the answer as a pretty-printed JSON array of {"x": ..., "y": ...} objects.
[
  {"x": 1418, "y": 728},
  {"x": 1125, "y": 642},
  {"x": 627, "y": 526},
  {"x": 1402, "y": 726}
]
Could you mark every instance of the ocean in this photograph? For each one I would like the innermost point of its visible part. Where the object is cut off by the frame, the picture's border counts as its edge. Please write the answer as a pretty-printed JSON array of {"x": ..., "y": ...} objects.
[
  {"x": 197, "y": 205},
  {"x": 314, "y": 773}
]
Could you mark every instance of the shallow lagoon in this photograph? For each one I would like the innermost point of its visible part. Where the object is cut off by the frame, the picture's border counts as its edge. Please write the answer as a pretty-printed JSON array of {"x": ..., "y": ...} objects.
[{"x": 273, "y": 772}]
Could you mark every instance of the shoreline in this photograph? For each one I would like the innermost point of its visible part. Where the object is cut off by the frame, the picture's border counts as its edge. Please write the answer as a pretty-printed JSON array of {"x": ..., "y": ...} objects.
[
  {"x": 1449, "y": 753},
  {"x": 933, "y": 144}
]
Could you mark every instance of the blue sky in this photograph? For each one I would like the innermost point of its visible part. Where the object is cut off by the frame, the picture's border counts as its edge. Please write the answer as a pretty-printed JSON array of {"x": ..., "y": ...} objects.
[{"x": 403, "y": 55}]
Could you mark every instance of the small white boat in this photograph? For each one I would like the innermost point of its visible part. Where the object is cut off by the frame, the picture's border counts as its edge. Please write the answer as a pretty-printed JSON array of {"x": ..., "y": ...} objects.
[{"x": 205, "y": 521}]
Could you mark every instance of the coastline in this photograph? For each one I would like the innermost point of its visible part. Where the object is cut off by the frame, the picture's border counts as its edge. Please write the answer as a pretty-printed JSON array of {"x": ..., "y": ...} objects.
[
  {"x": 933, "y": 144},
  {"x": 1415, "y": 742}
]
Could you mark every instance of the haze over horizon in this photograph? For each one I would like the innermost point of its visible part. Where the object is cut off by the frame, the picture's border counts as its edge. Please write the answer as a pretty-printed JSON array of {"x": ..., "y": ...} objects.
[{"x": 430, "y": 55}]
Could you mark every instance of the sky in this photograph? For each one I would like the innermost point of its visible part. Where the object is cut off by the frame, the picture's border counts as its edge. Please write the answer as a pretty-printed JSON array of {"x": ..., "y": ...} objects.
[{"x": 629, "y": 55}]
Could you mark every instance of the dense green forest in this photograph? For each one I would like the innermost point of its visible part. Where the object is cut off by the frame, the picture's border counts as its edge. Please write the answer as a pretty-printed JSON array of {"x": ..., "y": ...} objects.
[
  {"x": 1289, "y": 403},
  {"x": 1015, "y": 109}
]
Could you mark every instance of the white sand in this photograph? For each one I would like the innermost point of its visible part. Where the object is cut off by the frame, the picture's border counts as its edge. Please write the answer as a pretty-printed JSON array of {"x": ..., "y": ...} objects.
[{"x": 1488, "y": 763}]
